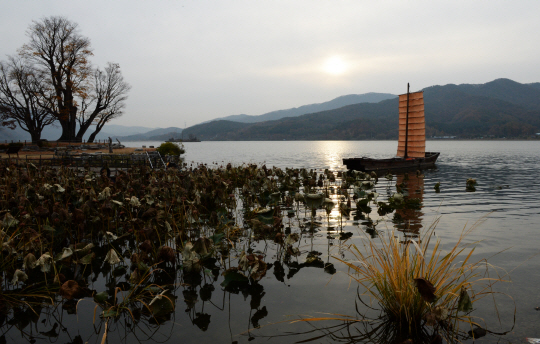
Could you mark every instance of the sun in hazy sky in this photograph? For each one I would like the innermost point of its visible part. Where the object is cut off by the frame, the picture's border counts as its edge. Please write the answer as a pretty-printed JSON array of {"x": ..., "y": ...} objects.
[{"x": 335, "y": 65}]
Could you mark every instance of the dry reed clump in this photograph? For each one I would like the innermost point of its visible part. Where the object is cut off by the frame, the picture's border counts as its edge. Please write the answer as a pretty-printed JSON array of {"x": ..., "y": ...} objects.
[{"x": 417, "y": 284}]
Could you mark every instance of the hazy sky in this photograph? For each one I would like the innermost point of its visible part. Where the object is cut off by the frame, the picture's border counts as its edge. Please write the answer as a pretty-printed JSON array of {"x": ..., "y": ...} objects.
[{"x": 192, "y": 61}]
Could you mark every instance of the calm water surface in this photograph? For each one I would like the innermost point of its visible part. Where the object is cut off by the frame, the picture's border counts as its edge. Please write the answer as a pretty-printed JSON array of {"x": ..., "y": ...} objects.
[{"x": 507, "y": 203}]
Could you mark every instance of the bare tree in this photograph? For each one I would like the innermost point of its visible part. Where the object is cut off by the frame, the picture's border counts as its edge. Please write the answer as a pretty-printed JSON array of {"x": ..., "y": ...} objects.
[
  {"x": 20, "y": 86},
  {"x": 106, "y": 102},
  {"x": 61, "y": 55}
]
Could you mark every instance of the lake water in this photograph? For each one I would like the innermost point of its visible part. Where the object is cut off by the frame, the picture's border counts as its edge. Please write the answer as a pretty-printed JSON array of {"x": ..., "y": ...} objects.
[
  {"x": 506, "y": 202},
  {"x": 507, "y": 199}
]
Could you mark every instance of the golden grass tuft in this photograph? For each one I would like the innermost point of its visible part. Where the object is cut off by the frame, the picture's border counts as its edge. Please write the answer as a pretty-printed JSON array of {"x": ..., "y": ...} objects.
[{"x": 387, "y": 270}]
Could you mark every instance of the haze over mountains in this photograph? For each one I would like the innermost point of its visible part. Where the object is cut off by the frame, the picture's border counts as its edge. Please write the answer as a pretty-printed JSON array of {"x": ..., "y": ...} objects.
[
  {"x": 500, "y": 108},
  {"x": 336, "y": 103}
]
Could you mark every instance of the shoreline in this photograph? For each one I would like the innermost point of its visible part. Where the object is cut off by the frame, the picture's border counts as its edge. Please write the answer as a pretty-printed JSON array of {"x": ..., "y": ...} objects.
[{"x": 49, "y": 152}]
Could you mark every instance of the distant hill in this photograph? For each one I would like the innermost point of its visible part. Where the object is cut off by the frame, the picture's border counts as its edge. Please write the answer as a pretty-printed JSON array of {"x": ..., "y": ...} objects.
[
  {"x": 216, "y": 130},
  {"x": 120, "y": 132},
  {"x": 312, "y": 108},
  {"x": 160, "y": 134},
  {"x": 501, "y": 108},
  {"x": 53, "y": 132}
]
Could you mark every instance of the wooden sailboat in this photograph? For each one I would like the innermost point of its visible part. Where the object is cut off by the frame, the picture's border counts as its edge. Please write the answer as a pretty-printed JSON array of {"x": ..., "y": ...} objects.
[{"x": 411, "y": 152}]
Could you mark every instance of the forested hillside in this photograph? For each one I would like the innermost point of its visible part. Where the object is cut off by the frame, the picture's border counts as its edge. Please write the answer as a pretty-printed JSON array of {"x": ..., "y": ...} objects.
[{"x": 501, "y": 108}]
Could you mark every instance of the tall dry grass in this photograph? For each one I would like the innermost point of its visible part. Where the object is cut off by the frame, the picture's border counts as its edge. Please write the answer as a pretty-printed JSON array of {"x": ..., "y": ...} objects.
[{"x": 418, "y": 284}]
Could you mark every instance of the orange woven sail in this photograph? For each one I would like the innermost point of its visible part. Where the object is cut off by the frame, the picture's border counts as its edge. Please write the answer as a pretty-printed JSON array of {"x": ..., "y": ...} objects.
[{"x": 416, "y": 141}]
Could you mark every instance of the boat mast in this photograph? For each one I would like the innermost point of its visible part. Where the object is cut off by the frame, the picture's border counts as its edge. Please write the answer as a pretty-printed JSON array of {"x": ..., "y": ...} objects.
[{"x": 407, "y": 123}]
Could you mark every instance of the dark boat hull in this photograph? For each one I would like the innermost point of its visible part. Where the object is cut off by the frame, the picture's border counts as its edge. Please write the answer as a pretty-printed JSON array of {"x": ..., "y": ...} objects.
[{"x": 368, "y": 164}]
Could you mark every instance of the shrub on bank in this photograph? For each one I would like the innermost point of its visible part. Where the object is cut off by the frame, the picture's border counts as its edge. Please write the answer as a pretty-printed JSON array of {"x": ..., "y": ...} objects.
[
  {"x": 12, "y": 144},
  {"x": 171, "y": 148}
]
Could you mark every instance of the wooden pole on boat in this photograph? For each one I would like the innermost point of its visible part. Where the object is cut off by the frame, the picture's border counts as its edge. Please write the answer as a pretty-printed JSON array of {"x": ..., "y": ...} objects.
[{"x": 407, "y": 124}]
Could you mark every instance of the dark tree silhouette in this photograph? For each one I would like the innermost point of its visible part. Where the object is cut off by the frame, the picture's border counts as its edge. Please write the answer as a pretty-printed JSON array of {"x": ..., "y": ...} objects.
[
  {"x": 20, "y": 104},
  {"x": 75, "y": 92}
]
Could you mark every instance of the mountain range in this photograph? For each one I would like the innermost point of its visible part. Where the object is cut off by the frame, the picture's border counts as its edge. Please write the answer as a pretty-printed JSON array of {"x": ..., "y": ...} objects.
[
  {"x": 336, "y": 103},
  {"x": 132, "y": 133},
  {"x": 123, "y": 133},
  {"x": 500, "y": 108}
]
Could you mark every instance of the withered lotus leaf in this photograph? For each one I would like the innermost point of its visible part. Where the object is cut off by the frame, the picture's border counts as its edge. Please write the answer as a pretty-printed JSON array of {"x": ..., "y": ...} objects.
[
  {"x": 19, "y": 276},
  {"x": 87, "y": 259},
  {"x": 258, "y": 267},
  {"x": 135, "y": 277},
  {"x": 146, "y": 246},
  {"x": 30, "y": 234},
  {"x": 426, "y": 289},
  {"x": 106, "y": 208},
  {"x": 78, "y": 215},
  {"x": 292, "y": 238},
  {"x": 101, "y": 297},
  {"x": 147, "y": 232},
  {"x": 243, "y": 262},
  {"x": 9, "y": 221},
  {"x": 135, "y": 258},
  {"x": 110, "y": 236},
  {"x": 29, "y": 261},
  {"x": 279, "y": 238},
  {"x": 45, "y": 261},
  {"x": 162, "y": 304},
  {"x": 82, "y": 249},
  {"x": 166, "y": 254},
  {"x": 161, "y": 215},
  {"x": 203, "y": 246},
  {"x": 106, "y": 193},
  {"x": 151, "y": 212},
  {"x": 59, "y": 279},
  {"x": 66, "y": 252},
  {"x": 112, "y": 257},
  {"x": 293, "y": 251},
  {"x": 464, "y": 303},
  {"x": 41, "y": 211},
  {"x": 190, "y": 259},
  {"x": 134, "y": 202},
  {"x": 149, "y": 199},
  {"x": 143, "y": 268},
  {"x": 71, "y": 290},
  {"x": 438, "y": 313}
]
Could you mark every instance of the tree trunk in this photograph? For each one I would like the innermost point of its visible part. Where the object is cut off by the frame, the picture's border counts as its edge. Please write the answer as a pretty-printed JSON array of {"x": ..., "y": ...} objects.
[
  {"x": 82, "y": 129},
  {"x": 92, "y": 136},
  {"x": 35, "y": 135},
  {"x": 68, "y": 129},
  {"x": 98, "y": 129}
]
